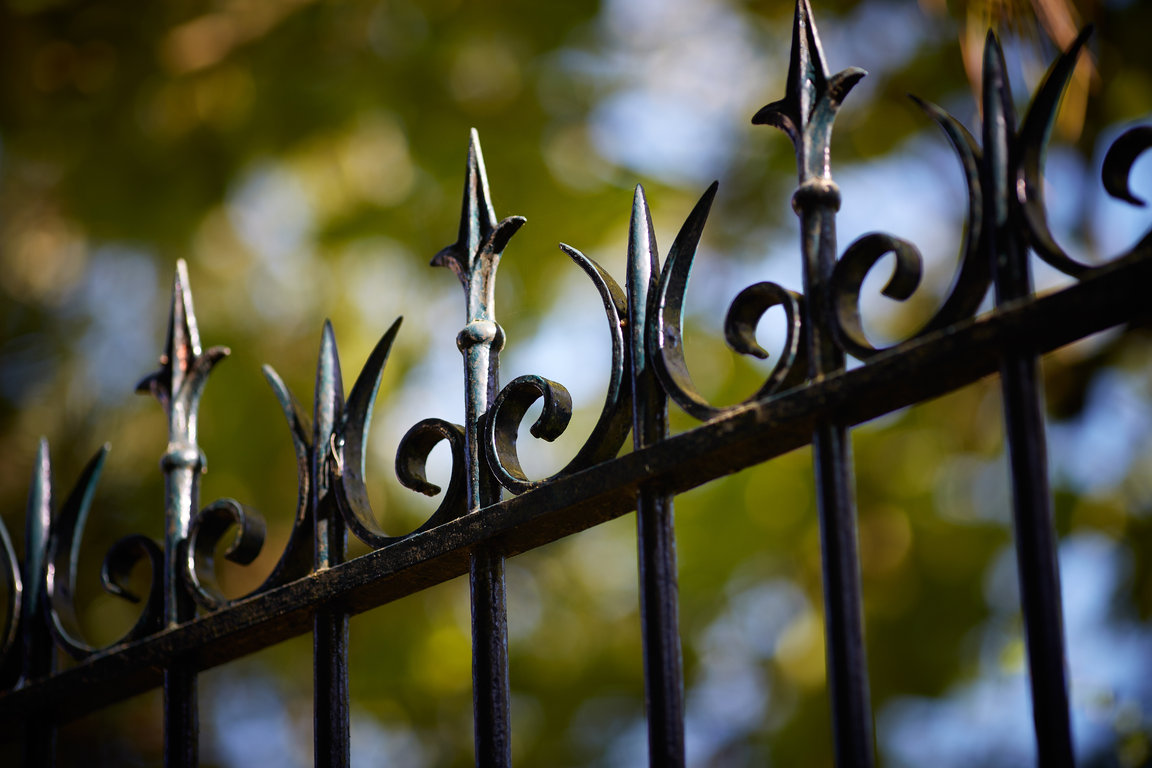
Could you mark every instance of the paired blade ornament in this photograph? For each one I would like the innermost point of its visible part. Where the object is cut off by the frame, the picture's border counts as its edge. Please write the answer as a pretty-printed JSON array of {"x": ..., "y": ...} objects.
[
  {"x": 666, "y": 312},
  {"x": 121, "y": 560},
  {"x": 1009, "y": 182},
  {"x": 811, "y": 100},
  {"x": 350, "y": 452},
  {"x": 611, "y": 429}
]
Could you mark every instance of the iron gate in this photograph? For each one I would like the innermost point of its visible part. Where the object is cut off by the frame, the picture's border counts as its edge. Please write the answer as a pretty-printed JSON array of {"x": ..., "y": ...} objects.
[{"x": 811, "y": 397}]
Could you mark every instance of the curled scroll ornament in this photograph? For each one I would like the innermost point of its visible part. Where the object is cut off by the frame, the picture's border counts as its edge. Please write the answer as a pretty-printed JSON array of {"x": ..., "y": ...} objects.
[
  {"x": 1032, "y": 140},
  {"x": 510, "y": 406},
  {"x": 63, "y": 555},
  {"x": 228, "y": 517},
  {"x": 666, "y": 313},
  {"x": 972, "y": 279},
  {"x": 974, "y": 276},
  {"x": 350, "y": 450}
]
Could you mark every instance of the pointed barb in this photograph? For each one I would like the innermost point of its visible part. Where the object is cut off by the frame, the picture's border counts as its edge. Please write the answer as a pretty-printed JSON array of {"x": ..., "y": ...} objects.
[
  {"x": 329, "y": 396},
  {"x": 184, "y": 366},
  {"x": 499, "y": 239},
  {"x": 296, "y": 417},
  {"x": 477, "y": 217},
  {"x": 481, "y": 240},
  {"x": 358, "y": 411},
  {"x": 812, "y": 96},
  {"x": 643, "y": 253},
  {"x": 687, "y": 240},
  {"x": 996, "y": 94},
  {"x": 327, "y": 406},
  {"x": 841, "y": 83}
]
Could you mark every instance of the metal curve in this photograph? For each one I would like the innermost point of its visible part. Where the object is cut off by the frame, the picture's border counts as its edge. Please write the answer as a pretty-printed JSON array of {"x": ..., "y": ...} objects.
[
  {"x": 504, "y": 424},
  {"x": 63, "y": 556},
  {"x": 972, "y": 279},
  {"x": 14, "y": 586},
  {"x": 119, "y": 563},
  {"x": 1120, "y": 158},
  {"x": 296, "y": 559},
  {"x": 744, "y": 316},
  {"x": 611, "y": 429},
  {"x": 350, "y": 450},
  {"x": 207, "y": 530},
  {"x": 1031, "y": 142},
  {"x": 666, "y": 314},
  {"x": 411, "y": 469}
]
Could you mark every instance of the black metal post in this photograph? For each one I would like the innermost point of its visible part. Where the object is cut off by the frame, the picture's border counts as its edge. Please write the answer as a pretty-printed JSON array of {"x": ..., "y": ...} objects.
[
  {"x": 330, "y": 713},
  {"x": 474, "y": 258},
  {"x": 656, "y": 535},
  {"x": 182, "y": 468},
  {"x": 480, "y": 342},
  {"x": 816, "y": 203},
  {"x": 178, "y": 385},
  {"x": 1037, "y": 564},
  {"x": 806, "y": 113},
  {"x": 490, "y": 690}
]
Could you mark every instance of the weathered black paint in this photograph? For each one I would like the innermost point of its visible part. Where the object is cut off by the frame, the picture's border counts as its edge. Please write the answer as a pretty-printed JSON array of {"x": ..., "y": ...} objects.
[{"x": 187, "y": 625}]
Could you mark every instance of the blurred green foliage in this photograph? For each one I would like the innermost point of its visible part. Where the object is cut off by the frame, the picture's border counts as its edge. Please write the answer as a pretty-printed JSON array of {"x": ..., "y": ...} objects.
[{"x": 306, "y": 157}]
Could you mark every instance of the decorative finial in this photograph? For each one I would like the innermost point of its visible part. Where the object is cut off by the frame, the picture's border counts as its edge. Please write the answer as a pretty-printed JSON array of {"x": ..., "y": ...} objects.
[
  {"x": 184, "y": 368},
  {"x": 812, "y": 98},
  {"x": 476, "y": 252}
]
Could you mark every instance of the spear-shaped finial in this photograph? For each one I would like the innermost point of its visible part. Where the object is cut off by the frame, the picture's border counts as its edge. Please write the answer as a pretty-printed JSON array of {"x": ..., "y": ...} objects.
[
  {"x": 477, "y": 218},
  {"x": 184, "y": 368},
  {"x": 812, "y": 97},
  {"x": 476, "y": 252}
]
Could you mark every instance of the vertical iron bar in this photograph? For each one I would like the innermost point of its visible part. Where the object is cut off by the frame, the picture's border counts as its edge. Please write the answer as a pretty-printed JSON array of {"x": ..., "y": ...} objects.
[
  {"x": 656, "y": 535},
  {"x": 490, "y": 690},
  {"x": 330, "y": 707},
  {"x": 330, "y": 689},
  {"x": 178, "y": 385},
  {"x": 816, "y": 202},
  {"x": 181, "y": 717},
  {"x": 1036, "y": 557},
  {"x": 474, "y": 258},
  {"x": 182, "y": 466},
  {"x": 807, "y": 113},
  {"x": 480, "y": 342}
]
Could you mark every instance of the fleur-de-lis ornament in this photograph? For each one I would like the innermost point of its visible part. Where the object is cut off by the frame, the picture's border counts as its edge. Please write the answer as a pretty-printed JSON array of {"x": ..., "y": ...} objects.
[
  {"x": 474, "y": 258},
  {"x": 811, "y": 99},
  {"x": 806, "y": 113},
  {"x": 178, "y": 385}
]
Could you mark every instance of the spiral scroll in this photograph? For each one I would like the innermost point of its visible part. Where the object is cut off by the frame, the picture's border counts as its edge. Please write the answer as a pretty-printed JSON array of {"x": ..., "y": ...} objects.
[
  {"x": 508, "y": 410},
  {"x": 1025, "y": 179},
  {"x": 207, "y": 530},
  {"x": 665, "y": 335},
  {"x": 351, "y": 443},
  {"x": 972, "y": 279},
  {"x": 229, "y": 517},
  {"x": 121, "y": 560}
]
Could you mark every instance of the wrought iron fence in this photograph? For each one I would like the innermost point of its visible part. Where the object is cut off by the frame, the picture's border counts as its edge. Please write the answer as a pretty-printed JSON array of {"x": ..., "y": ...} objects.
[{"x": 187, "y": 625}]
